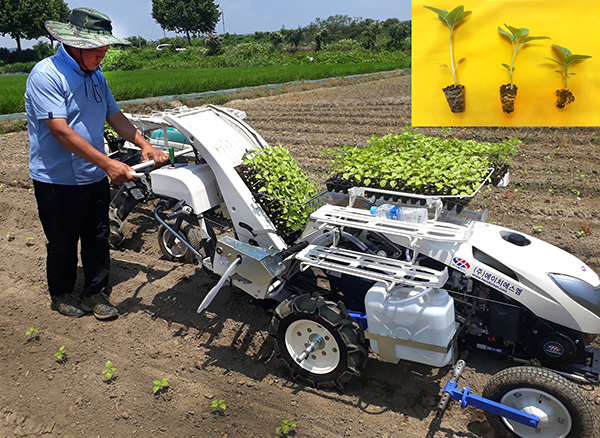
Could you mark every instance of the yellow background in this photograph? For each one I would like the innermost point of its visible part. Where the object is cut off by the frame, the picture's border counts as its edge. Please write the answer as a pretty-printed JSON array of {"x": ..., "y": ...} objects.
[{"x": 573, "y": 24}]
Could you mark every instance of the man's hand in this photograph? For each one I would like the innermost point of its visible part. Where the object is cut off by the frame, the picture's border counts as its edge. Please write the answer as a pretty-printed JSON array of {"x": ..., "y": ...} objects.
[
  {"x": 159, "y": 157},
  {"x": 126, "y": 130},
  {"x": 119, "y": 172}
]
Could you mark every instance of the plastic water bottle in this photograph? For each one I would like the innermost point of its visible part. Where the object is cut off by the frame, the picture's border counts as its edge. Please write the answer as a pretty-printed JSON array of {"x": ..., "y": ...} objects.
[{"x": 399, "y": 213}]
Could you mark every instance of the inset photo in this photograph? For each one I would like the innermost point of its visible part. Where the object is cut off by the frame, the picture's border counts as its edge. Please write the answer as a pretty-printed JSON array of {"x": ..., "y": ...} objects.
[{"x": 505, "y": 63}]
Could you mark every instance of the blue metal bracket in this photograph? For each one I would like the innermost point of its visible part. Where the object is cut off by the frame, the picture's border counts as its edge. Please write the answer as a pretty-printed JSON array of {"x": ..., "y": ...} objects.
[{"x": 467, "y": 399}]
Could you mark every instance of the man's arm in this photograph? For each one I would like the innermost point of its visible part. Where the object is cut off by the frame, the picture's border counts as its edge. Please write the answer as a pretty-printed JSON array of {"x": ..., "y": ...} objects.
[
  {"x": 126, "y": 130},
  {"x": 117, "y": 171}
]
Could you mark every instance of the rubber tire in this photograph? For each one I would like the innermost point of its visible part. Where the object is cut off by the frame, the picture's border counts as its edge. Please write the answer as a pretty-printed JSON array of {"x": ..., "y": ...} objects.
[
  {"x": 348, "y": 334},
  {"x": 544, "y": 380},
  {"x": 163, "y": 234}
]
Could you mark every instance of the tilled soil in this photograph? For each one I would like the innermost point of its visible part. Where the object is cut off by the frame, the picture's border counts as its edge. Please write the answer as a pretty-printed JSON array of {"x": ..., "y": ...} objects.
[{"x": 225, "y": 353}]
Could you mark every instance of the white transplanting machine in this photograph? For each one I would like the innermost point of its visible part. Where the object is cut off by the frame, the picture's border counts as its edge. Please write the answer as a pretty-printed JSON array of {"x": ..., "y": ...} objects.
[{"x": 353, "y": 281}]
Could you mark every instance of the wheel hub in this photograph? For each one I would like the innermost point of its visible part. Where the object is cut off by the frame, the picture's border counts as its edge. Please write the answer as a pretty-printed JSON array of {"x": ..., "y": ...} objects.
[
  {"x": 555, "y": 420},
  {"x": 312, "y": 346}
]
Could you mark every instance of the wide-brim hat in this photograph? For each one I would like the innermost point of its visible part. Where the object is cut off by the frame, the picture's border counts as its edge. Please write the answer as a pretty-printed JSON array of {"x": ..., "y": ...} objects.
[{"x": 87, "y": 29}]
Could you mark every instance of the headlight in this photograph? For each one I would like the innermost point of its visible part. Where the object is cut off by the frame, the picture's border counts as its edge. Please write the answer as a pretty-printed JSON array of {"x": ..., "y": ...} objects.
[{"x": 580, "y": 291}]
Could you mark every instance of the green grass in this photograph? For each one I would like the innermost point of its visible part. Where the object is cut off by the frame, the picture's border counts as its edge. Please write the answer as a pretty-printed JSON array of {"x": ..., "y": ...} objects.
[
  {"x": 12, "y": 91},
  {"x": 135, "y": 84}
]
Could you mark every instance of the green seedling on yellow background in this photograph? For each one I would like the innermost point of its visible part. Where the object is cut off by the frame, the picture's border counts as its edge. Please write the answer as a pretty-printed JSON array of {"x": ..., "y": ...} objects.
[
  {"x": 451, "y": 19},
  {"x": 568, "y": 59},
  {"x": 518, "y": 38}
]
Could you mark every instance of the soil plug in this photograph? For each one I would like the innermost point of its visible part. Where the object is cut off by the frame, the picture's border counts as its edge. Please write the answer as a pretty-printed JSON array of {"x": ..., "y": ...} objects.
[
  {"x": 518, "y": 38},
  {"x": 565, "y": 96},
  {"x": 455, "y": 94}
]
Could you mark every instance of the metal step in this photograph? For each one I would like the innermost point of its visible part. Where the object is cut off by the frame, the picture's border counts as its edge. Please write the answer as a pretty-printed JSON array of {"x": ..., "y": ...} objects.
[
  {"x": 357, "y": 264},
  {"x": 333, "y": 215}
]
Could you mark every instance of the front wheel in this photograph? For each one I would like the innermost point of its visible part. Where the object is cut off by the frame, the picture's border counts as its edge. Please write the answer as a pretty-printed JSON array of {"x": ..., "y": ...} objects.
[
  {"x": 177, "y": 252},
  {"x": 319, "y": 341},
  {"x": 563, "y": 410}
]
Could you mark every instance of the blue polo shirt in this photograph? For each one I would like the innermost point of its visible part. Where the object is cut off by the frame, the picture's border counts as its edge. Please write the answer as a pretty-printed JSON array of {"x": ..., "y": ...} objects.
[{"x": 58, "y": 88}]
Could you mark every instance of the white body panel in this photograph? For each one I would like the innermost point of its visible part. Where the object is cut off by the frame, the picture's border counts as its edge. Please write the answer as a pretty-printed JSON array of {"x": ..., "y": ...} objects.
[
  {"x": 221, "y": 139},
  {"x": 531, "y": 263},
  {"x": 195, "y": 184}
]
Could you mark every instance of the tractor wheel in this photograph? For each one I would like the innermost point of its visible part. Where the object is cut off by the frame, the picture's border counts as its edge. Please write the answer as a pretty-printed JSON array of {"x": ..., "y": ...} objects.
[
  {"x": 563, "y": 410},
  {"x": 340, "y": 348},
  {"x": 178, "y": 251}
]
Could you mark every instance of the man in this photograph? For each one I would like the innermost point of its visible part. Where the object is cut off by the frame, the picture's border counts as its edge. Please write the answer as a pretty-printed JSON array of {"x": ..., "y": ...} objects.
[{"x": 67, "y": 101}]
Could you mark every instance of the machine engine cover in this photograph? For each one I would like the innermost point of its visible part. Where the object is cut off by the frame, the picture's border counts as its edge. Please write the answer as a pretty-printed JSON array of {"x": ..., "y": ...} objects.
[{"x": 194, "y": 183}]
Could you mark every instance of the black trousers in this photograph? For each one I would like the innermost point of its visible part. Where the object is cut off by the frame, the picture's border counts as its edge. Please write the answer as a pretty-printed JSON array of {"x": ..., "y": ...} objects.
[{"x": 68, "y": 214}]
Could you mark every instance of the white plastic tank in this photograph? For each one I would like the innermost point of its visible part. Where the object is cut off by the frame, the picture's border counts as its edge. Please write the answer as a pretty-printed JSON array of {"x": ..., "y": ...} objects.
[{"x": 419, "y": 314}]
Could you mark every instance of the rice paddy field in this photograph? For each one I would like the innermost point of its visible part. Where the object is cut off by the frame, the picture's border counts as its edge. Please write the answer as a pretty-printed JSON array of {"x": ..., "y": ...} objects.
[{"x": 127, "y": 85}]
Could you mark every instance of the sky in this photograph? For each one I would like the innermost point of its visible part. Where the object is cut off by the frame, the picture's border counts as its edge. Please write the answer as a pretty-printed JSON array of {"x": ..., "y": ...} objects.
[{"x": 133, "y": 17}]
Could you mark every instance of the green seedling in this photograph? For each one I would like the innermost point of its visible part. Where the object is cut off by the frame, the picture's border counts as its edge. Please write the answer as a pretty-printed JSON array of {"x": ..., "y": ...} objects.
[
  {"x": 109, "y": 370},
  {"x": 286, "y": 426},
  {"x": 518, "y": 38},
  {"x": 576, "y": 192},
  {"x": 416, "y": 163},
  {"x": 61, "y": 354},
  {"x": 455, "y": 94},
  {"x": 568, "y": 59},
  {"x": 219, "y": 404},
  {"x": 10, "y": 236},
  {"x": 284, "y": 189},
  {"x": 29, "y": 241},
  {"x": 580, "y": 233},
  {"x": 451, "y": 19},
  {"x": 160, "y": 384},
  {"x": 31, "y": 331},
  {"x": 537, "y": 229}
]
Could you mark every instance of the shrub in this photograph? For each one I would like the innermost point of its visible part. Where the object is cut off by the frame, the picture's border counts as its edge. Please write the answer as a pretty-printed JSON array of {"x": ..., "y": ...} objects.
[{"x": 345, "y": 45}]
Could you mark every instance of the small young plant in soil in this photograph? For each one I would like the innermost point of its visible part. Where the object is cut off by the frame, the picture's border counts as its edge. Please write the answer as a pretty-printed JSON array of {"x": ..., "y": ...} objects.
[
  {"x": 286, "y": 426},
  {"x": 220, "y": 406},
  {"x": 61, "y": 354},
  {"x": 160, "y": 385},
  {"x": 31, "y": 331},
  {"x": 518, "y": 38},
  {"x": 455, "y": 93},
  {"x": 564, "y": 96},
  {"x": 109, "y": 370},
  {"x": 33, "y": 334}
]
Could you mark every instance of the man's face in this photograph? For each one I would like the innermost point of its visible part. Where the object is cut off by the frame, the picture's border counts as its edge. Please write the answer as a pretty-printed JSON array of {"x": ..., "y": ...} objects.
[{"x": 90, "y": 59}]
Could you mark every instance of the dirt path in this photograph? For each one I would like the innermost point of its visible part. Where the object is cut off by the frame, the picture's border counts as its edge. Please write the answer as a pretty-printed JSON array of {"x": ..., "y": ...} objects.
[{"x": 225, "y": 354}]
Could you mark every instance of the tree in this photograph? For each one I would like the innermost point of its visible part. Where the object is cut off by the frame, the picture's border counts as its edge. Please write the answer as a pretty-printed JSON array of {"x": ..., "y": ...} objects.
[
  {"x": 214, "y": 43},
  {"x": 189, "y": 16},
  {"x": 24, "y": 19},
  {"x": 370, "y": 35},
  {"x": 58, "y": 11},
  {"x": 295, "y": 36}
]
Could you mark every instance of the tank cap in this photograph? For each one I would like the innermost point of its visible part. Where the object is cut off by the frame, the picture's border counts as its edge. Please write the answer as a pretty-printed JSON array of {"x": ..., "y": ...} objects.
[{"x": 438, "y": 296}]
